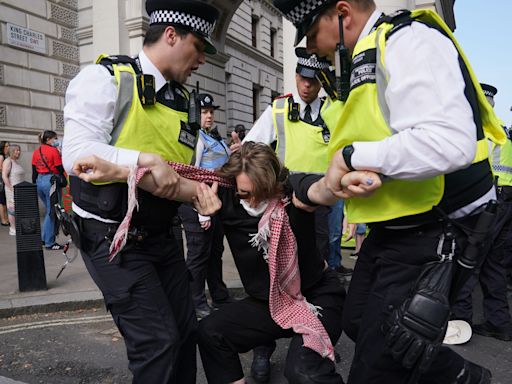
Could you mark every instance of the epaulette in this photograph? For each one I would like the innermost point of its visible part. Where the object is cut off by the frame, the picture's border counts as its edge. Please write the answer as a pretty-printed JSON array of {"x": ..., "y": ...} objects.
[
  {"x": 284, "y": 96},
  {"x": 108, "y": 61}
]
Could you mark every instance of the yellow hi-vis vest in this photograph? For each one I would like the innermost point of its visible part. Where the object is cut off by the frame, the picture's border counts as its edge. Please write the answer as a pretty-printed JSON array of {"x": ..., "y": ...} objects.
[
  {"x": 501, "y": 160},
  {"x": 151, "y": 128},
  {"x": 365, "y": 117},
  {"x": 301, "y": 147}
]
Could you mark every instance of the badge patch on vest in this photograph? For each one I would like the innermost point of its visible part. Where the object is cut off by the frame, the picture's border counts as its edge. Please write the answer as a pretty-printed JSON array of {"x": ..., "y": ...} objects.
[
  {"x": 187, "y": 137},
  {"x": 363, "y": 68}
]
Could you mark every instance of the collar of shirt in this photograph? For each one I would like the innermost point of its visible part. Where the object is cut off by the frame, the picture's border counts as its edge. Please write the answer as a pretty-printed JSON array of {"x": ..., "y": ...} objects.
[
  {"x": 315, "y": 106},
  {"x": 370, "y": 23},
  {"x": 149, "y": 68}
]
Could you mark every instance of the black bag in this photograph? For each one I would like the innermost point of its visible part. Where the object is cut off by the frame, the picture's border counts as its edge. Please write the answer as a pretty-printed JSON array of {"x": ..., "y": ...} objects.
[{"x": 58, "y": 179}]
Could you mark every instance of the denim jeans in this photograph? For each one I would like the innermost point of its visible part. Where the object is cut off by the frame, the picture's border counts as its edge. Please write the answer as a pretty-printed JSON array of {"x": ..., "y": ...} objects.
[
  {"x": 43, "y": 191},
  {"x": 335, "y": 223}
]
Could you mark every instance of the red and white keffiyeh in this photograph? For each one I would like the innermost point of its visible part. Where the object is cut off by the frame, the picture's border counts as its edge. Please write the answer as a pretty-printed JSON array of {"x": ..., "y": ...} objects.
[{"x": 288, "y": 307}]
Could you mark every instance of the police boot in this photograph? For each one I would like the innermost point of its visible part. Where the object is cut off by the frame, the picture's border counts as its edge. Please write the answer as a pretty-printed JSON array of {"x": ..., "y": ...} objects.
[
  {"x": 473, "y": 374},
  {"x": 260, "y": 368}
]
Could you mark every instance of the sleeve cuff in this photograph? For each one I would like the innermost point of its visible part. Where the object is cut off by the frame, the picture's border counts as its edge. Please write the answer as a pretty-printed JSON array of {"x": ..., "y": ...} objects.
[
  {"x": 127, "y": 157},
  {"x": 367, "y": 156}
]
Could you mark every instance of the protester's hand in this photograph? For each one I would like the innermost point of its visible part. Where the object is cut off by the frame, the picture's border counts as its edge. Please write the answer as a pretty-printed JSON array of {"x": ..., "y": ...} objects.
[
  {"x": 300, "y": 205},
  {"x": 207, "y": 202},
  {"x": 95, "y": 169},
  {"x": 205, "y": 224},
  {"x": 359, "y": 184},
  {"x": 349, "y": 229},
  {"x": 236, "y": 142},
  {"x": 166, "y": 180}
]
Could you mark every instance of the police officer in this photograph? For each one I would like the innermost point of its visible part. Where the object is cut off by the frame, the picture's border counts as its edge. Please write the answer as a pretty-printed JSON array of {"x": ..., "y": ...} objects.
[
  {"x": 411, "y": 111},
  {"x": 111, "y": 113},
  {"x": 492, "y": 272},
  {"x": 204, "y": 233}
]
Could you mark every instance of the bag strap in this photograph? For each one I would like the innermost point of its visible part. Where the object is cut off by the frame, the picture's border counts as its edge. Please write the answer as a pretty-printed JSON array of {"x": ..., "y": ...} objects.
[{"x": 44, "y": 161}]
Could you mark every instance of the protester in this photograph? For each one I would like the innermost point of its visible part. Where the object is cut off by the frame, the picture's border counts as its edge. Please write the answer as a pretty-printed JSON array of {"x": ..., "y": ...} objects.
[
  {"x": 46, "y": 164},
  {"x": 12, "y": 174},
  {"x": 146, "y": 286},
  {"x": 409, "y": 109},
  {"x": 4, "y": 220}
]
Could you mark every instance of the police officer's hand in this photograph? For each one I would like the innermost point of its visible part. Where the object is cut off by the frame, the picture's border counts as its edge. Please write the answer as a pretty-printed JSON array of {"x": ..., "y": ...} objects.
[
  {"x": 93, "y": 168},
  {"x": 206, "y": 201},
  {"x": 359, "y": 184},
  {"x": 349, "y": 229},
  {"x": 166, "y": 180},
  {"x": 337, "y": 169},
  {"x": 236, "y": 142}
]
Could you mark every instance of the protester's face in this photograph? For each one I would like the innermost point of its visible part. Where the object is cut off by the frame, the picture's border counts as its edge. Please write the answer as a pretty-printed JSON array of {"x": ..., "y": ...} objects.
[
  {"x": 244, "y": 189},
  {"x": 308, "y": 88},
  {"x": 190, "y": 57},
  {"x": 207, "y": 118}
]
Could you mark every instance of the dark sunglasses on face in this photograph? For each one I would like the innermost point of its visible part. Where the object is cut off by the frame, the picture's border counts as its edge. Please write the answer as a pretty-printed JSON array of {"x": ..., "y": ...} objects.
[{"x": 243, "y": 194}]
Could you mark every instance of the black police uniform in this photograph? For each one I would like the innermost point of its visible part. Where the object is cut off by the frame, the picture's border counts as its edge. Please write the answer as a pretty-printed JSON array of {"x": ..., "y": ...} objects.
[{"x": 146, "y": 286}]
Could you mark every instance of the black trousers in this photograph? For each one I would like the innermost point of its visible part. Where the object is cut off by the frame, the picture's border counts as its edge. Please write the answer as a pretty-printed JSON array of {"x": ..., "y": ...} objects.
[
  {"x": 146, "y": 289},
  {"x": 204, "y": 256},
  {"x": 492, "y": 275},
  {"x": 238, "y": 327},
  {"x": 389, "y": 263}
]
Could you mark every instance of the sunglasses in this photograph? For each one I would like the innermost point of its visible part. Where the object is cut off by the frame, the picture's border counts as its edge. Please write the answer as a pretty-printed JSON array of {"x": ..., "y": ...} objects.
[{"x": 243, "y": 194}]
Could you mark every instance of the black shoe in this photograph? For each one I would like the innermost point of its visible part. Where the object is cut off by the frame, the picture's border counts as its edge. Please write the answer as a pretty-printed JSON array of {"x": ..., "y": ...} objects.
[
  {"x": 55, "y": 247},
  {"x": 489, "y": 330},
  {"x": 474, "y": 374},
  {"x": 343, "y": 271},
  {"x": 203, "y": 310},
  {"x": 260, "y": 367},
  {"x": 6, "y": 224},
  {"x": 220, "y": 303}
]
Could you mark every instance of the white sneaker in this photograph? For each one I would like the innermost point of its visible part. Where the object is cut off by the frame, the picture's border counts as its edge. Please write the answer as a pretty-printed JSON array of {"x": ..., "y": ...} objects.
[{"x": 12, "y": 232}]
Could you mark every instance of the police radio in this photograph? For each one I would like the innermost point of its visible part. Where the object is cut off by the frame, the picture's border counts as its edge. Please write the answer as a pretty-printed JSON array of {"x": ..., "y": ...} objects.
[
  {"x": 293, "y": 110},
  {"x": 342, "y": 62},
  {"x": 194, "y": 110}
]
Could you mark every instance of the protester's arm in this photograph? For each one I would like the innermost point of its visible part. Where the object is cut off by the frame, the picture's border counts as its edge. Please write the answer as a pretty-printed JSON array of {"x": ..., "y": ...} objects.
[{"x": 6, "y": 169}]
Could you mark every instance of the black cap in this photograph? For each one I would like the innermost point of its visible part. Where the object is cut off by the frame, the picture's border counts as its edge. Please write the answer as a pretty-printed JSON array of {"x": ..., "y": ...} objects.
[
  {"x": 302, "y": 13},
  {"x": 309, "y": 64},
  {"x": 197, "y": 16},
  {"x": 489, "y": 90},
  {"x": 206, "y": 101}
]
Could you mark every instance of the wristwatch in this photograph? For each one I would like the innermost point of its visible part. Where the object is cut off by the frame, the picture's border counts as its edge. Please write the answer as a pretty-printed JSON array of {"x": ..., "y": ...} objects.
[{"x": 347, "y": 152}]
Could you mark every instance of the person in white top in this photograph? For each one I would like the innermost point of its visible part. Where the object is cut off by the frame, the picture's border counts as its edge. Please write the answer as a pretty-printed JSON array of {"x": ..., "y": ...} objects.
[
  {"x": 409, "y": 109},
  {"x": 12, "y": 174}
]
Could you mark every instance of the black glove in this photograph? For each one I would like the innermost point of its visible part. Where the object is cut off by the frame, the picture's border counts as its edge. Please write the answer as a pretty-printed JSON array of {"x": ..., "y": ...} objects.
[{"x": 416, "y": 329}]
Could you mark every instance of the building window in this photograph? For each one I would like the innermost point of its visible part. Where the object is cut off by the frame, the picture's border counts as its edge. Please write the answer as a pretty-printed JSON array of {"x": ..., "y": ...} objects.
[
  {"x": 256, "y": 89},
  {"x": 255, "y": 30},
  {"x": 273, "y": 42}
]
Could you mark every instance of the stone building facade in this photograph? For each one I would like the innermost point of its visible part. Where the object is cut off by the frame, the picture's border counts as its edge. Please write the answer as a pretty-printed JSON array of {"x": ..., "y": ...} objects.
[{"x": 44, "y": 43}]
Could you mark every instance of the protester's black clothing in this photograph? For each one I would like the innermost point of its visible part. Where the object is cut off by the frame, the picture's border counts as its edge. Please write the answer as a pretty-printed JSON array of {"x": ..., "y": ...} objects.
[
  {"x": 146, "y": 289},
  {"x": 243, "y": 325},
  {"x": 389, "y": 263}
]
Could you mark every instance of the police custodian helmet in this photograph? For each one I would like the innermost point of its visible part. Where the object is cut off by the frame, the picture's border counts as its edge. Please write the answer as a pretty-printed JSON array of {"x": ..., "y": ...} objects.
[
  {"x": 302, "y": 13},
  {"x": 196, "y": 16}
]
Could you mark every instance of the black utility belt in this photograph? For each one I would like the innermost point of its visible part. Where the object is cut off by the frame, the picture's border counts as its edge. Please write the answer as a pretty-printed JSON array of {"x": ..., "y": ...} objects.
[{"x": 504, "y": 192}]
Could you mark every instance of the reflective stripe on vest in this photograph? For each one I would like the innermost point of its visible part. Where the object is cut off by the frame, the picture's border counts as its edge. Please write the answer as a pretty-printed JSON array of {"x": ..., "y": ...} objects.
[
  {"x": 365, "y": 117},
  {"x": 215, "y": 153},
  {"x": 300, "y": 146},
  {"x": 502, "y": 163}
]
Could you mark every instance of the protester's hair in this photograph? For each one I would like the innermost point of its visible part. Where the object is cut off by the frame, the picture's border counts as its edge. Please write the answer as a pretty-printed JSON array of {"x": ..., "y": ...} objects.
[
  {"x": 47, "y": 135},
  {"x": 12, "y": 147},
  {"x": 261, "y": 165},
  {"x": 155, "y": 31},
  {"x": 2, "y": 147},
  {"x": 240, "y": 131}
]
